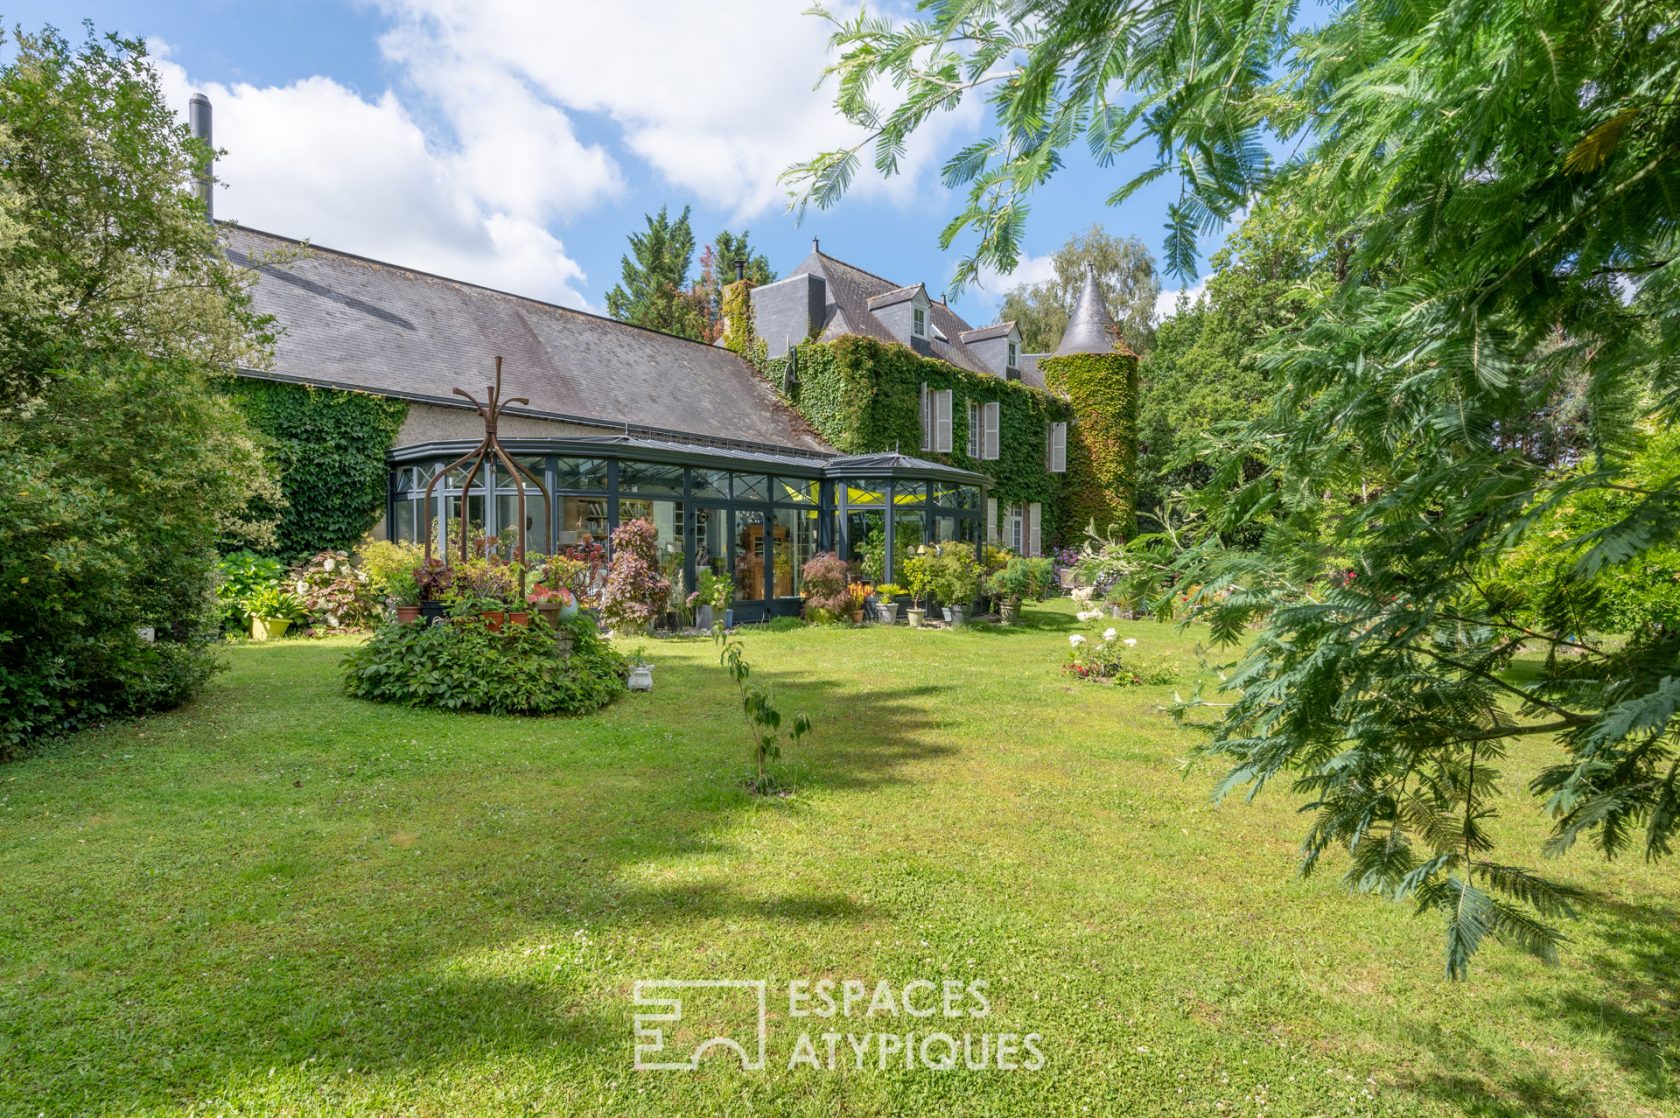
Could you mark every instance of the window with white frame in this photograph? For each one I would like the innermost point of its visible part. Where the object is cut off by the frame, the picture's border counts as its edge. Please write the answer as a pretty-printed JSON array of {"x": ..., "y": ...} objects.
[
  {"x": 918, "y": 321},
  {"x": 1014, "y": 529},
  {"x": 1010, "y": 364},
  {"x": 989, "y": 430},
  {"x": 1055, "y": 447},
  {"x": 974, "y": 428},
  {"x": 942, "y": 421}
]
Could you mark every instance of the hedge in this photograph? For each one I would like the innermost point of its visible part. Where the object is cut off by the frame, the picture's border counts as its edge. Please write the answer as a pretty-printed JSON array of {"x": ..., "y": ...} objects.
[
  {"x": 1102, "y": 462},
  {"x": 863, "y": 397},
  {"x": 328, "y": 448}
]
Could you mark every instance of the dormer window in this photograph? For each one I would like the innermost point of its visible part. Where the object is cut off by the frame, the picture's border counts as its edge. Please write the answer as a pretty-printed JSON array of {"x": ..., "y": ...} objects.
[
  {"x": 1012, "y": 355},
  {"x": 918, "y": 322}
]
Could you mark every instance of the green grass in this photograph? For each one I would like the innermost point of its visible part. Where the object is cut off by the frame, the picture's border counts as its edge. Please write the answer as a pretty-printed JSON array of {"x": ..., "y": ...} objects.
[{"x": 282, "y": 901}]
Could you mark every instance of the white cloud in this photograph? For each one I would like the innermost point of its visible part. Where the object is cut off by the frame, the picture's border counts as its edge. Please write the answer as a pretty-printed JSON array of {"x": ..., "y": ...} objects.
[
  {"x": 718, "y": 103},
  {"x": 1166, "y": 303},
  {"x": 317, "y": 161}
]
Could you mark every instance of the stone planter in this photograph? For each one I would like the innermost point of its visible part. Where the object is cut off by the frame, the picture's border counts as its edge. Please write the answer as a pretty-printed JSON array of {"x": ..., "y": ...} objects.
[
  {"x": 958, "y": 616},
  {"x": 641, "y": 677},
  {"x": 888, "y": 612},
  {"x": 945, "y": 612},
  {"x": 914, "y": 616},
  {"x": 703, "y": 617},
  {"x": 1008, "y": 611}
]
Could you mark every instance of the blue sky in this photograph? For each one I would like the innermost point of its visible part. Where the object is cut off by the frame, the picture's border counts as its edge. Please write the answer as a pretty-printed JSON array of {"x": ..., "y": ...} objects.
[{"x": 516, "y": 144}]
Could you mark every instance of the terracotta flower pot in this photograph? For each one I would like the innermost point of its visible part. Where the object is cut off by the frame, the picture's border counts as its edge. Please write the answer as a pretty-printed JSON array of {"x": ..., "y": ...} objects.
[
  {"x": 493, "y": 618},
  {"x": 408, "y": 615},
  {"x": 857, "y": 617},
  {"x": 518, "y": 617}
]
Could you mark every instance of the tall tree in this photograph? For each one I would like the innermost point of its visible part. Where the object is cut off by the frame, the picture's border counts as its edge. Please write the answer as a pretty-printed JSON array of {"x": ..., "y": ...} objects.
[
  {"x": 1503, "y": 178},
  {"x": 1126, "y": 273},
  {"x": 717, "y": 271},
  {"x": 123, "y": 464},
  {"x": 654, "y": 288}
]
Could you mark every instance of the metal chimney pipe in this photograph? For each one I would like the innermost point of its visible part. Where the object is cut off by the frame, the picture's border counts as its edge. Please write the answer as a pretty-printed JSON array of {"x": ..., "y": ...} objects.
[
  {"x": 198, "y": 120},
  {"x": 740, "y": 268}
]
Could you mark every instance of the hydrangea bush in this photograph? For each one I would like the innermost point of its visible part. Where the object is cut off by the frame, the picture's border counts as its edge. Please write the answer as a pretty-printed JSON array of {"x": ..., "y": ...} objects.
[
  {"x": 336, "y": 593},
  {"x": 636, "y": 593},
  {"x": 1113, "y": 659}
]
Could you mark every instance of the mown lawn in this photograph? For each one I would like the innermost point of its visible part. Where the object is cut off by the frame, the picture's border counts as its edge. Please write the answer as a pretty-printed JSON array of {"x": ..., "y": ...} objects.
[{"x": 282, "y": 901}]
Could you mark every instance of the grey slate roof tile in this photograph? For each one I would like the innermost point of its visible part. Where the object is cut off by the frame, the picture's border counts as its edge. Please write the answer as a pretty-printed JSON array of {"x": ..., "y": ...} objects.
[{"x": 349, "y": 321}]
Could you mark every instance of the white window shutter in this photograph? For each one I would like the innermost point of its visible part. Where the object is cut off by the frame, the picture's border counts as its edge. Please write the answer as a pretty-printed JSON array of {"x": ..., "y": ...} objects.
[
  {"x": 989, "y": 444},
  {"x": 942, "y": 421},
  {"x": 1058, "y": 448},
  {"x": 991, "y": 520},
  {"x": 927, "y": 426},
  {"x": 974, "y": 430},
  {"x": 1034, "y": 539}
]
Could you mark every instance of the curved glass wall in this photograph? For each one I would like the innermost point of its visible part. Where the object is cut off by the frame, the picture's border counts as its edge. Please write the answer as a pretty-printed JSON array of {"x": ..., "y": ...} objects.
[{"x": 757, "y": 527}]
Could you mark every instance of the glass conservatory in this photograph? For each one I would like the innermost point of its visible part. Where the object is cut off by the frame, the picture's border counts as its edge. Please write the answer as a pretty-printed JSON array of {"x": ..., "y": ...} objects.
[{"x": 753, "y": 515}]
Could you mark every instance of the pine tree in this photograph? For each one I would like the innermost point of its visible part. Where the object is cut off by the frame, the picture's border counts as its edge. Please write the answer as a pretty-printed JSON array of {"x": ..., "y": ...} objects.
[{"x": 654, "y": 291}]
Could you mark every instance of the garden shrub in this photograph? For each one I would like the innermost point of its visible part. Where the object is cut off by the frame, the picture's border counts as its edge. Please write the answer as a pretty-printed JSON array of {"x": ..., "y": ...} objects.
[
  {"x": 1113, "y": 660},
  {"x": 335, "y": 592},
  {"x": 460, "y": 664},
  {"x": 385, "y": 560},
  {"x": 825, "y": 578},
  {"x": 243, "y": 573},
  {"x": 636, "y": 593}
]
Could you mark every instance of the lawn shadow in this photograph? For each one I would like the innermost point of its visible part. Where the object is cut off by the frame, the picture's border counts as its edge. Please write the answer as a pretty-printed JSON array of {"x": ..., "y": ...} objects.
[
  {"x": 1636, "y": 959},
  {"x": 403, "y": 957}
]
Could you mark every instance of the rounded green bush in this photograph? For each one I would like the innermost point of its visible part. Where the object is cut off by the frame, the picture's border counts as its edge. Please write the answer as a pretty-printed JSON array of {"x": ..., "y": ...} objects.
[{"x": 460, "y": 664}]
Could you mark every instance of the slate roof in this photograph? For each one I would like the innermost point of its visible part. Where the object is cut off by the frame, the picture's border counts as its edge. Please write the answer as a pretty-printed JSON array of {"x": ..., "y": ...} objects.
[
  {"x": 1089, "y": 329},
  {"x": 851, "y": 292},
  {"x": 996, "y": 330},
  {"x": 350, "y": 322},
  {"x": 893, "y": 298}
]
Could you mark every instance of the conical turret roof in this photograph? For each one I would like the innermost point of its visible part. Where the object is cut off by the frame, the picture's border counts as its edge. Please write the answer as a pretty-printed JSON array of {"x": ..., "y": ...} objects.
[{"x": 1090, "y": 330}]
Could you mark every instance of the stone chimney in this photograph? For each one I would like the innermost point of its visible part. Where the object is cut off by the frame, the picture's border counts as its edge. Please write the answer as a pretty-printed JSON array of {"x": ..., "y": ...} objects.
[{"x": 198, "y": 120}]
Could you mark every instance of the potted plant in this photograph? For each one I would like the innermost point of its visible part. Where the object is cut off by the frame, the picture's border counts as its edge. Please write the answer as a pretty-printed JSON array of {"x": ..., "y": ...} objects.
[
  {"x": 858, "y": 595},
  {"x": 1018, "y": 580},
  {"x": 717, "y": 594},
  {"x": 641, "y": 671},
  {"x": 551, "y": 603},
  {"x": 405, "y": 596},
  {"x": 273, "y": 611},
  {"x": 956, "y": 582},
  {"x": 919, "y": 576},
  {"x": 886, "y": 604},
  {"x": 434, "y": 580}
]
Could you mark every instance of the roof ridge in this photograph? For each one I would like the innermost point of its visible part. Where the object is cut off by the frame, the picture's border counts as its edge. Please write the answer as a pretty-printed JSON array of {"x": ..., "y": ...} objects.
[
  {"x": 311, "y": 246},
  {"x": 864, "y": 271}
]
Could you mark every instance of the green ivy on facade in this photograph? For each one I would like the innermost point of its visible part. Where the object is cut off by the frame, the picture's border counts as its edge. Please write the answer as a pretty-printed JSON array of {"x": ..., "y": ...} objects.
[
  {"x": 1102, "y": 390},
  {"x": 328, "y": 449}
]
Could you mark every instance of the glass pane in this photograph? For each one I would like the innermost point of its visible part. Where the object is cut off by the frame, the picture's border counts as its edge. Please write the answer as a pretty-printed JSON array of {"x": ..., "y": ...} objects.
[
  {"x": 795, "y": 544},
  {"x": 404, "y": 522},
  {"x": 968, "y": 529},
  {"x": 749, "y": 556},
  {"x": 908, "y": 535},
  {"x": 580, "y": 473},
  {"x": 856, "y": 496},
  {"x": 968, "y": 496},
  {"x": 866, "y": 544},
  {"x": 475, "y": 517},
  {"x": 944, "y": 529},
  {"x": 579, "y": 517},
  {"x": 752, "y": 487},
  {"x": 711, "y": 540},
  {"x": 711, "y": 483},
  {"x": 795, "y": 491},
  {"x": 536, "y": 520},
  {"x": 458, "y": 477},
  {"x": 909, "y": 493},
  {"x": 649, "y": 477},
  {"x": 667, "y": 520}
]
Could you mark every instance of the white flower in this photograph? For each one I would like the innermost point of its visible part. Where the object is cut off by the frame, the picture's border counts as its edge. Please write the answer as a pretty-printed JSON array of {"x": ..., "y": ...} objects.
[
  {"x": 329, "y": 564},
  {"x": 1108, "y": 635},
  {"x": 1129, "y": 642},
  {"x": 1089, "y": 615},
  {"x": 302, "y": 586},
  {"x": 1076, "y": 640}
]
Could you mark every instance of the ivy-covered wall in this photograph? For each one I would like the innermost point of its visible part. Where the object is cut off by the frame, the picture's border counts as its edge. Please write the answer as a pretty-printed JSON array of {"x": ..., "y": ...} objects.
[
  {"x": 328, "y": 448},
  {"x": 863, "y": 396},
  {"x": 1102, "y": 389}
]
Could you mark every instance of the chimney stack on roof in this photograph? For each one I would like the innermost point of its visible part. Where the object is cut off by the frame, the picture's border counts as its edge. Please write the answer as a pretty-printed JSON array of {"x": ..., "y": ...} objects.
[
  {"x": 740, "y": 268},
  {"x": 198, "y": 121}
]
